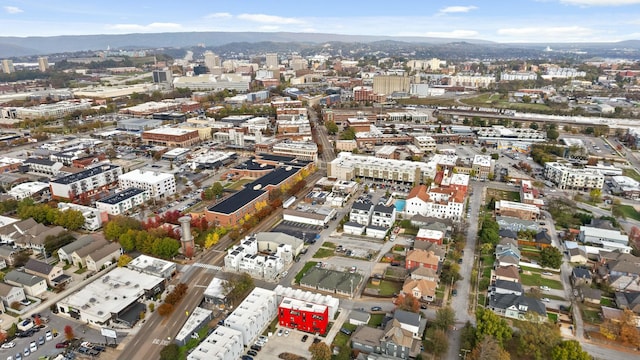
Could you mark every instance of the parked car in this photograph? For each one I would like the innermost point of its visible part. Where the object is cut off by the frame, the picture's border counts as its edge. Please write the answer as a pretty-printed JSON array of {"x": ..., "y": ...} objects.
[
  {"x": 454, "y": 292},
  {"x": 252, "y": 353},
  {"x": 376, "y": 308},
  {"x": 62, "y": 345},
  {"x": 345, "y": 331},
  {"x": 263, "y": 338},
  {"x": 8, "y": 345},
  {"x": 305, "y": 337},
  {"x": 256, "y": 347},
  {"x": 280, "y": 332},
  {"x": 48, "y": 335},
  {"x": 544, "y": 288},
  {"x": 545, "y": 300}
]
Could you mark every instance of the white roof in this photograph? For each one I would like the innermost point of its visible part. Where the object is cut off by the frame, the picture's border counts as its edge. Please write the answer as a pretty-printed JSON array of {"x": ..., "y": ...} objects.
[
  {"x": 430, "y": 234},
  {"x": 141, "y": 176},
  {"x": 505, "y": 204},
  {"x": 215, "y": 289},
  {"x": 111, "y": 293},
  {"x": 603, "y": 233},
  {"x": 290, "y": 303},
  {"x": 217, "y": 344},
  {"x": 459, "y": 179},
  {"x": 196, "y": 318},
  {"x": 482, "y": 160},
  {"x": 170, "y": 131},
  {"x": 150, "y": 264}
]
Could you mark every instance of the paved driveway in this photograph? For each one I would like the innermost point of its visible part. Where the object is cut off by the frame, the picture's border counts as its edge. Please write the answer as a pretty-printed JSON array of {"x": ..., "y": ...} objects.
[{"x": 292, "y": 344}]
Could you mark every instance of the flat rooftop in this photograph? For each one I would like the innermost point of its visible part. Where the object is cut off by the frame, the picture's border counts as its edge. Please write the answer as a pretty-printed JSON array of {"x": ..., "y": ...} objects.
[
  {"x": 170, "y": 131},
  {"x": 84, "y": 174},
  {"x": 236, "y": 201},
  {"x": 145, "y": 176},
  {"x": 121, "y": 196}
]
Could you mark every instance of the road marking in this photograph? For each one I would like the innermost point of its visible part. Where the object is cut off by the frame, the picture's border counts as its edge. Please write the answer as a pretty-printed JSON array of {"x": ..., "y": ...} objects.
[
  {"x": 208, "y": 266},
  {"x": 161, "y": 342}
]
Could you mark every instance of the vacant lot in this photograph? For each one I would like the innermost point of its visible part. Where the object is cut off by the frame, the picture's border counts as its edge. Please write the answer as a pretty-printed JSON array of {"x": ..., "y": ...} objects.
[
  {"x": 529, "y": 279},
  {"x": 503, "y": 195},
  {"x": 629, "y": 212}
]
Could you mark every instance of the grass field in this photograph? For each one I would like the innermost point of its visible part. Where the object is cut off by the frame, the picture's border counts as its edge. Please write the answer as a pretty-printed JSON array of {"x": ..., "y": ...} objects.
[
  {"x": 503, "y": 195},
  {"x": 629, "y": 212},
  {"x": 495, "y": 101},
  {"x": 590, "y": 315},
  {"x": 537, "y": 280},
  {"x": 632, "y": 173},
  {"x": 323, "y": 253},
  {"x": 386, "y": 288},
  {"x": 376, "y": 320},
  {"x": 553, "y": 317},
  {"x": 239, "y": 184}
]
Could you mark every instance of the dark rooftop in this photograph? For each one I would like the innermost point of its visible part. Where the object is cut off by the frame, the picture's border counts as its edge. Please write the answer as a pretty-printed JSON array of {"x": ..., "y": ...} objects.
[
  {"x": 275, "y": 177},
  {"x": 383, "y": 209},
  {"x": 362, "y": 206},
  {"x": 278, "y": 158},
  {"x": 252, "y": 165},
  {"x": 236, "y": 201},
  {"x": 123, "y": 195},
  {"x": 38, "y": 161},
  {"x": 84, "y": 174}
]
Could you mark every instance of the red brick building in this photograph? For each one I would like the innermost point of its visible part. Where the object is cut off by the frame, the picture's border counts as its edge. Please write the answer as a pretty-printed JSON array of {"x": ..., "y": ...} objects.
[
  {"x": 173, "y": 137},
  {"x": 422, "y": 258},
  {"x": 303, "y": 315}
]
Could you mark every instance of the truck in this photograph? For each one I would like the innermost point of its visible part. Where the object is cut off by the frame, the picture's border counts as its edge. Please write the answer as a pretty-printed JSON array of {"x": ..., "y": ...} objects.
[{"x": 288, "y": 202}]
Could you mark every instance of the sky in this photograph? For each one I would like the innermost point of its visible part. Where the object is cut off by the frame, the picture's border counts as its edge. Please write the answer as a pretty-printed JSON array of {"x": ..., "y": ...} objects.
[{"x": 502, "y": 21}]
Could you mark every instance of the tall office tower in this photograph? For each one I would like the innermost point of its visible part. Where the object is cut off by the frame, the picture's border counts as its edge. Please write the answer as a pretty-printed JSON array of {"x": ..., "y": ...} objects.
[
  {"x": 7, "y": 66},
  {"x": 272, "y": 61},
  {"x": 43, "y": 63},
  {"x": 211, "y": 60},
  {"x": 162, "y": 76}
]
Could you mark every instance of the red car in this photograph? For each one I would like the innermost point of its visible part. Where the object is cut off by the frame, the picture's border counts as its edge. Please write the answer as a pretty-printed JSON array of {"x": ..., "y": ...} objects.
[{"x": 62, "y": 345}]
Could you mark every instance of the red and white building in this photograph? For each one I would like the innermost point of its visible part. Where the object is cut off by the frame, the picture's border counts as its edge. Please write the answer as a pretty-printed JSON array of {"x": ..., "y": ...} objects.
[
  {"x": 303, "y": 315},
  {"x": 422, "y": 258},
  {"x": 432, "y": 236}
]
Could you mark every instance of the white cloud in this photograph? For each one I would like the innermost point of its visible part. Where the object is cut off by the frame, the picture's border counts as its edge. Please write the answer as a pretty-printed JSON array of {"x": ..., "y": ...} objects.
[
  {"x": 269, "y": 19},
  {"x": 457, "y": 9},
  {"x": 600, "y": 2},
  {"x": 12, "y": 9},
  {"x": 545, "y": 32},
  {"x": 269, "y": 27},
  {"x": 452, "y": 34},
  {"x": 145, "y": 28},
  {"x": 220, "y": 15}
]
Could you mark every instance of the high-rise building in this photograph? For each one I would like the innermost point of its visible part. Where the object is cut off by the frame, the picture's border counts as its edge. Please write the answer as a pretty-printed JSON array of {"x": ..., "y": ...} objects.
[
  {"x": 43, "y": 63},
  {"x": 272, "y": 61},
  {"x": 388, "y": 84},
  {"x": 7, "y": 66},
  {"x": 211, "y": 60}
]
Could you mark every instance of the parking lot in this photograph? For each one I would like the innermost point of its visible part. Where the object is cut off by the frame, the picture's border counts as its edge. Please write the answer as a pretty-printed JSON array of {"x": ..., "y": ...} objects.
[{"x": 291, "y": 344}]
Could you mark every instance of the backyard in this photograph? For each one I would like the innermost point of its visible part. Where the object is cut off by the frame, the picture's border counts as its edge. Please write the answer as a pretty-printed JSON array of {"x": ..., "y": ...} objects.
[
  {"x": 386, "y": 287},
  {"x": 533, "y": 279},
  {"x": 497, "y": 194}
]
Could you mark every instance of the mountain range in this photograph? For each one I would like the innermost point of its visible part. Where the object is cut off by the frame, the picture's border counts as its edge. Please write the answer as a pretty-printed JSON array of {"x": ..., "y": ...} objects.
[{"x": 42, "y": 45}]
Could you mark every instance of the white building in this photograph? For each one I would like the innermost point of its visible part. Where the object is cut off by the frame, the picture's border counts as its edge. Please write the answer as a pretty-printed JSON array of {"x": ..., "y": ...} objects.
[
  {"x": 222, "y": 344},
  {"x": 246, "y": 258},
  {"x": 87, "y": 182},
  {"x": 92, "y": 216},
  {"x": 347, "y": 166},
  {"x": 442, "y": 203},
  {"x": 472, "y": 81},
  {"x": 110, "y": 296},
  {"x": 160, "y": 185},
  {"x": 481, "y": 166},
  {"x": 425, "y": 143},
  {"x": 383, "y": 216},
  {"x": 253, "y": 314},
  {"x": 361, "y": 213},
  {"x": 567, "y": 177},
  {"x": 329, "y": 301},
  {"x": 153, "y": 266},
  {"x": 52, "y": 111},
  {"x": 120, "y": 203},
  {"x": 601, "y": 236},
  {"x": 236, "y": 82},
  {"x": 198, "y": 318},
  {"x": 300, "y": 149},
  {"x": 28, "y": 189}
]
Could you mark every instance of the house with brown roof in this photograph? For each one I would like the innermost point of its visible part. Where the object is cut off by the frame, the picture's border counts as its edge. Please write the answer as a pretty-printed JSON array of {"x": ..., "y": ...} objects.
[
  {"x": 398, "y": 342},
  {"x": 28, "y": 234},
  {"x": 506, "y": 273},
  {"x": 424, "y": 290},
  {"x": 421, "y": 258},
  {"x": 367, "y": 339},
  {"x": 425, "y": 273}
]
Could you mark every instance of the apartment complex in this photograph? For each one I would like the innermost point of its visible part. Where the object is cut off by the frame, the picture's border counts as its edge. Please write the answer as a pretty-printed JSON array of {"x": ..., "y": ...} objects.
[
  {"x": 481, "y": 166},
  {"x": 120, "y": 203},
  {"x": 303, "y": 315},
  {"x": 348, "y": 166},
  {"x": 159, "y": 185},
  {"x": 566, "y": 176},
  {"x": 86, "y": 183}
]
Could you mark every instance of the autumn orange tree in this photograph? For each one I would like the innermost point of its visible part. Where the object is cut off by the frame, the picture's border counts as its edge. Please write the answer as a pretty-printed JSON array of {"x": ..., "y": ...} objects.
[
  {"x": 68, "y": 333},
  {"x": 408, "y": 302}
]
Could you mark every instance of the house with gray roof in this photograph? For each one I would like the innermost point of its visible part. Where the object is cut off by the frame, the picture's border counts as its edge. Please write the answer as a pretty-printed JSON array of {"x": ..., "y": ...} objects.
[
  {"x": 590, "y": 295},
  {"x": 506, "y": 287},
  {"x": 331, "y": 281},
  {"x": 53, "y": 274},
  {"x": 517, "y": 307},
  {"x": 413, "y": 322},
  {"x": 628, "y": 300},
  {"x": 358, "y": 317},
  {"x": 367, "y": 339},
  {"x": 580, "y": 276},
  {"x": 33, "y": 285},
  {"x": 398, "y": 341},
  {"x": 64, "y": 253},
  {"x": 361, "y": 213},
  {"x": 104, "y": 256},
  {"x": 515, "y": 224}
]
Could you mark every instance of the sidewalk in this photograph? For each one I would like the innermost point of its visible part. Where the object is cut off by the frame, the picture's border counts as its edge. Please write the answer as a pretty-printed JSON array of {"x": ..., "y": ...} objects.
[{"x": 342, "y": 317}]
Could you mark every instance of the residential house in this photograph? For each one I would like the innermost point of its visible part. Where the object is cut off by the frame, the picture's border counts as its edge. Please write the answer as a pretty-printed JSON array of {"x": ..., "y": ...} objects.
[
  {"x": 367, "y": 340},
  {"x": 361, "y": 213},
  {"x": 508, "y": 234},
  {"x": 412, "y": 322},
  {"x": 439, "y": 250},
  {"x": 104, "y": 256},
  {"x": 580, "y": 276},
  {"x": 621, "y": 272},
  {"x": 615, "y": 315},
  {"x": 577, "y": 255},
  {"x": 398, "y": 342},
  {"x": 428, "y": 235},
  {"x": 424, "y": 290},
  {"x": 10, "y": 294},
  {"x": 517, "y": 306},
  {"x": 421, "y": 258},
  {"x": 505, "y": 273},
  {"x": 589, "y": 294},
  {"x": 64, "y": 253},
  {"x": 507, "y": 247},
  {"x": 33, "y": 285},
  {"x": 7, "y": 254},
  {"x": 506, "y": 287},
  {"x": 425, "y": 274},
  {"x": 353, "y": 228},
  {"x": 628, "y": 300},
  {"x": 507, "y": 260},
  {"x": 53, "y": 274},
  {"x": 357, "y": 317},
  {"x": 28, "y": 234},
  {"x": 383, "y": 216}
]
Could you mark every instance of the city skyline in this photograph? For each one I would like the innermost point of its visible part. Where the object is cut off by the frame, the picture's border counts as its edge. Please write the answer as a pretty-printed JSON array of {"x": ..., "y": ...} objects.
[{"x": 531, "y": 21}]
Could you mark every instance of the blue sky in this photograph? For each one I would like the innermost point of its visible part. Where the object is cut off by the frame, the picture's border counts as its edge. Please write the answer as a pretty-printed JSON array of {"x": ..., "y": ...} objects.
[{"x": 494, "y": 20}]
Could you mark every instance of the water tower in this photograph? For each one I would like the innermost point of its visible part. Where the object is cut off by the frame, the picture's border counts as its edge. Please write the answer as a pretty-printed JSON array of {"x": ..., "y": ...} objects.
[{"x": 186, "y": 239}]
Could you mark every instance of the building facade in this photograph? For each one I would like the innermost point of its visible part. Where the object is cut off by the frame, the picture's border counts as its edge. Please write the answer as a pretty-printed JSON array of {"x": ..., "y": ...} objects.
[
  {"x": 122, "y": 202},
  {"x": 86, "y": 183},
  {"x": 159, "y": 185},
  {"x": 303, "y": 315},
  {"x": 567, "y": 177}
]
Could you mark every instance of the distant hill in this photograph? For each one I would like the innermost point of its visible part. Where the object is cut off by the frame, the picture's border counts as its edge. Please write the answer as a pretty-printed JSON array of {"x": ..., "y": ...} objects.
[
  {"x": 19, "y": 46},
  {"x": 25, "y": 46}
]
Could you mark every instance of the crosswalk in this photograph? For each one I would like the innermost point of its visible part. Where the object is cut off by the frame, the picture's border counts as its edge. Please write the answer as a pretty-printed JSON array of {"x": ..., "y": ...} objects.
[
  {"x": 160, "y": 342},
  {"x": 208, "y": 266}
]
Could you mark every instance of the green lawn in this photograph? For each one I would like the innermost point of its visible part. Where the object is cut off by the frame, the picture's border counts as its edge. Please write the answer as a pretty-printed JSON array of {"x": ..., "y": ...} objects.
[
  {"x": 304, "y": 270},
  {"x": 553, "y": 317},
  {"x": 481, "y": 300},
  {"x": 376, "y": 320},
  {"x": 632, "y": 173},
  {"x": 591, "y": 316},
  {"x": 323, "y": 253},
  {"x": 503, "y": 195},
  {"x": 386, "y": 288},
  {"x": 329, "y": 244},
  {"x": 629, "y": 212},
  {"x": 606, "y": 302},
  {"x": 537, "y": 280},
  {"x": 81, "y": 271}
]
